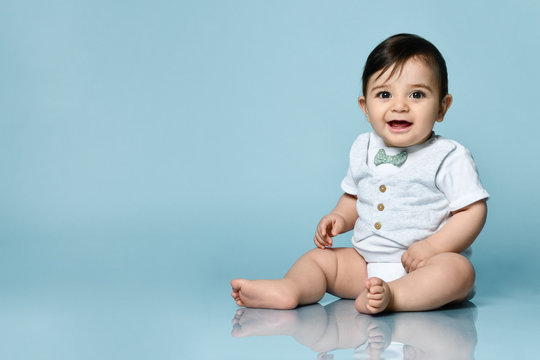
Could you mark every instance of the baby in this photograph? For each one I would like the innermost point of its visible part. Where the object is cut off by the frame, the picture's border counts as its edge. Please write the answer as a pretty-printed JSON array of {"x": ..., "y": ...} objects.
[{"x": 414, "y": 200}]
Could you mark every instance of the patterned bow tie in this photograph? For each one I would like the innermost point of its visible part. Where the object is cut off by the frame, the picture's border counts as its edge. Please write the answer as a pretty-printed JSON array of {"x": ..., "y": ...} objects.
[{"x": 397, "y": 160}]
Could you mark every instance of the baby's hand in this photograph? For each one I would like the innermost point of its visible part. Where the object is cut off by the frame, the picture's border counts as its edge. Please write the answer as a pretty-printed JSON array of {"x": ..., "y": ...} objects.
[
  {"x": 331, "y": 225},
  {"x": 417, "y": 255}
]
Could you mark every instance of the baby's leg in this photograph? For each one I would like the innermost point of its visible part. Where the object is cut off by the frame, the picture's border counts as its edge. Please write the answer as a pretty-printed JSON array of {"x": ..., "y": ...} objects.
[
  {"x": 340, "y": 271},
  {"x": 446, "y": 278}
]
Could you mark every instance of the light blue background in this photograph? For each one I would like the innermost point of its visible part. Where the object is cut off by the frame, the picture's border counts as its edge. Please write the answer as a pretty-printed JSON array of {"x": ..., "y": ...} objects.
[{"x": 165, "y": 147}]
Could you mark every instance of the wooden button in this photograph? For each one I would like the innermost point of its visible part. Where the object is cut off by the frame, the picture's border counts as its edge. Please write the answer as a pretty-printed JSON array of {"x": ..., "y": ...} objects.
[
  {"x": 382, "y": 188},
  {"x": 380, "y": 207},
  {"x": 378, "y": 225}
]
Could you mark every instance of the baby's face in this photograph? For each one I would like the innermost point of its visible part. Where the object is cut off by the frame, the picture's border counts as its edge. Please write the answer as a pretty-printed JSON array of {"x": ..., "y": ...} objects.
[{"x": 403, "y": 108}]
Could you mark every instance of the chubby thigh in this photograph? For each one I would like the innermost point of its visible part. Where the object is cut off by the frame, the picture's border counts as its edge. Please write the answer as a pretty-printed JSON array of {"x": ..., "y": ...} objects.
[{"x": 345, "y": 271}]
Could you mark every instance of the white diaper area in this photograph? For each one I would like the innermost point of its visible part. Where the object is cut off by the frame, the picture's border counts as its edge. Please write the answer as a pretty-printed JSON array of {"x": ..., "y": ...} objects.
[{"x": 386, "y": 271}]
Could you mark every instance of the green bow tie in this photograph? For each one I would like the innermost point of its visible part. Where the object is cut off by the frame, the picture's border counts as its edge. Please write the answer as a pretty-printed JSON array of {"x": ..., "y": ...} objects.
[{"x": 397, "y": 160}]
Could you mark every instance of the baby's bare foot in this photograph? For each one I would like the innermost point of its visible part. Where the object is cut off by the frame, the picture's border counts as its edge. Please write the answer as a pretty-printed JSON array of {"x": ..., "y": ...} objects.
[
  {"x": 236, "y": 285},
  {"x": 268, "y": 294},
  {"x": 375, "y": 298}
]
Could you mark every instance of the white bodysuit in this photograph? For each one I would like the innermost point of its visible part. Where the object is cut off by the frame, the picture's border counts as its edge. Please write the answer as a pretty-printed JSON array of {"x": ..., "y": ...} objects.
[{"x": 400, "y": 205}]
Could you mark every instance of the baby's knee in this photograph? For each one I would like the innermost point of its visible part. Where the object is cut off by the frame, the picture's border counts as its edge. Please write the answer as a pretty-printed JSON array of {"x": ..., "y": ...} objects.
[
  {"x": 322, "y": 257},
  {"x": 460, "y": 266},
  {"x": 465, "y": 275},
  {"x": 317, "y": 253}
]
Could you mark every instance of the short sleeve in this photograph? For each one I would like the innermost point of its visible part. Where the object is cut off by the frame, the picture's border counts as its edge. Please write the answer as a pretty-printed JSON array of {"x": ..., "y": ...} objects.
[
  {"x": 348, "y": 185},
  {"x": 357, "y": 154},
  {"x": 458, "y": 179}
]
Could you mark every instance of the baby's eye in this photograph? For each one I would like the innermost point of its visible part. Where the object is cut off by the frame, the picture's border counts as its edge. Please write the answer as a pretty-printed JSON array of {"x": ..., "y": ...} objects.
[
  {"x": 417, "y": 95},
  {"x": 383, "y": 95}
]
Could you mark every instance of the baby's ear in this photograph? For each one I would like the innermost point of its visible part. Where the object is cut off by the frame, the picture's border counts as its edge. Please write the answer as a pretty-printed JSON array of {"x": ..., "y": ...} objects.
[
  {"x": 445, "y": 105},
  {"x": 363, "y": 105}
]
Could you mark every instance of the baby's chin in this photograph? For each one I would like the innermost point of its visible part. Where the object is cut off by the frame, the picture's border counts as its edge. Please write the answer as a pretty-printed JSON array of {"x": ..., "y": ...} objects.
[
  {"x": 401, "y": 144},
  {"x": 403, "y": 140}
]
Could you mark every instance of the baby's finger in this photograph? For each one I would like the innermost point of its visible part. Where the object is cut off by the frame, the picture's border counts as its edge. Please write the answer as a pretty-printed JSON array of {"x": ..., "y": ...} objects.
[
  {"x": 325, "y": 226},
  {"x": 320, "y": 233},
  {"x": 330, "y": 226},
  {"x": 414, "y": 265},
  {"x": 407, "y": 265},
  {"x": 337, "y": 227},
  {"x": 327, "y": 241},
  {"x": 323, "y": 230},
  {"x": 404, "y": 258},
  {"x": 405, "y": 262},
  {"x": 319, "y": 241}
]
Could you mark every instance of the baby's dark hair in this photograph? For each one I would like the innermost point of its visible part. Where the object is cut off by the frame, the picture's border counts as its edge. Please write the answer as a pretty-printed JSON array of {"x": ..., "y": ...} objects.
[{"x": 396, "y": 50}]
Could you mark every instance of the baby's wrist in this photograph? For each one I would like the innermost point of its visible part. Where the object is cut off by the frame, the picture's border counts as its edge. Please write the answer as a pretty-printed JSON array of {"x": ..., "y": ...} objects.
[{"x": 337, "y": 213}]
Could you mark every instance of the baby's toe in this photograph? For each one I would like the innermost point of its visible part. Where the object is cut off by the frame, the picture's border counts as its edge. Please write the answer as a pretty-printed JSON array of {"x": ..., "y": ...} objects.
[
  {"x": 375, "y": 303},
  {"x": 376, "y": 296},
  {"x": 375, "y": 281}
]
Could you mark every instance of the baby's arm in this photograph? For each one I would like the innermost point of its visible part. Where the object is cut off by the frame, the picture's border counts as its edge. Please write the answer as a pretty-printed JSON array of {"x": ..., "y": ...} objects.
[
  {"x": 339, "y": 221},
  {"x": 455, "y": 236}
]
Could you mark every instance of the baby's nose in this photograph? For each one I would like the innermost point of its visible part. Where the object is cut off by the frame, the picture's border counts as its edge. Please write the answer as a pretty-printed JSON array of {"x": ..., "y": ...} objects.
[{"x": 399, "y": 105}]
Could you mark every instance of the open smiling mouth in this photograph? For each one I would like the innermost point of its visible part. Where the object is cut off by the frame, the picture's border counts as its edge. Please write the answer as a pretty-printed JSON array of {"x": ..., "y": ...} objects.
[{"x": 399, "y": 125}]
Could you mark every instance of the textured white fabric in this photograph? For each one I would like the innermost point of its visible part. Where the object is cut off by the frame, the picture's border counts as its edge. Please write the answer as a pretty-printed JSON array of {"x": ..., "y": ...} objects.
[
  {"x": 386, "y": 271},
  {"x": 457, "y": 176},
  {"x": 418, "y": 198}
]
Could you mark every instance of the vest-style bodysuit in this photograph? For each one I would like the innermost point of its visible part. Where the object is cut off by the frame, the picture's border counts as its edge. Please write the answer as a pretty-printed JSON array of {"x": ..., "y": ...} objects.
[{"x": 397, "y": 210}]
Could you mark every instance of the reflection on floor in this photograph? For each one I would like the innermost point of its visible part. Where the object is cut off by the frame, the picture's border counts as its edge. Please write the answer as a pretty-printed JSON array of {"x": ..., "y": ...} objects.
[{"x": 449, "y": 333}]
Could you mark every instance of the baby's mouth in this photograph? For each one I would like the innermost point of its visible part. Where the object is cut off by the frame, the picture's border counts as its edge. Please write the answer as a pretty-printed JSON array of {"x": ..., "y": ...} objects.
[{"x": 399, "y": 125}]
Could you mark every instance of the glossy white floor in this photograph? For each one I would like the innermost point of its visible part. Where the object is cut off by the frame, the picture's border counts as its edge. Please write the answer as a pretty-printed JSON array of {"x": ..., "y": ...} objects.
[
  {"x": 154, "y": 323},
  {"x": 487, "y": 328}
]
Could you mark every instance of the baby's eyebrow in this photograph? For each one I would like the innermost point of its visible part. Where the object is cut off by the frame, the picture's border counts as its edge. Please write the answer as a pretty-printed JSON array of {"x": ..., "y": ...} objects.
[
  {"x": 379, "y": 87},
  {"x": 420, "y": 85},
  {"x": 416, "y": 85}
]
